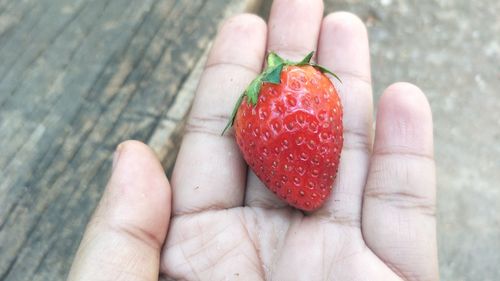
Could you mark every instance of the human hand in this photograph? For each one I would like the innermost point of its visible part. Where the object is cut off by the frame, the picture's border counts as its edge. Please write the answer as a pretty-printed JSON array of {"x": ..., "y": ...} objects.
[{"x": 379, "y": 223}]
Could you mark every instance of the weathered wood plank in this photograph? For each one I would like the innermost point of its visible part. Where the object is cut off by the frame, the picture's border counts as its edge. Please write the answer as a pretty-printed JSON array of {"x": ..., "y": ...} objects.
[
  {"x": 73, "y": 88},
  {"x": 35, "y": 32},
  {"x": 11, "y": 14}
]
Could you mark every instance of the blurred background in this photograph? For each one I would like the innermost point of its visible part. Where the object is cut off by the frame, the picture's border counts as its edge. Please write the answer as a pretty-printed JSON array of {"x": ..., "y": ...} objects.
[{"x": 77, "y": 77}]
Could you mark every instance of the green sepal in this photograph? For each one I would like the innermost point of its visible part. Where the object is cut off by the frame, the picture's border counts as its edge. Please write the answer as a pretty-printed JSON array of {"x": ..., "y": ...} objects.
[
  {"x": 306, "y": 60},
  {"x": 273, "y": 75},
  {"x": 326, "y": 70},
  {"x": 252, "y": 92},
  {"x": 273, "y": 59},
  {"x": 233, "y": 114}
]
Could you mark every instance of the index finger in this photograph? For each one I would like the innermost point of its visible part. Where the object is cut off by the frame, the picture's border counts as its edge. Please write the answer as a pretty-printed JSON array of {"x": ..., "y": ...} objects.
[{"x": 209, "y": 172}]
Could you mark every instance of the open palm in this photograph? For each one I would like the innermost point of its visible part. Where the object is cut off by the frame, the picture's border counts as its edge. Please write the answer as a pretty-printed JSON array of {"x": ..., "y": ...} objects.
[{"x": 378, "y": 224}]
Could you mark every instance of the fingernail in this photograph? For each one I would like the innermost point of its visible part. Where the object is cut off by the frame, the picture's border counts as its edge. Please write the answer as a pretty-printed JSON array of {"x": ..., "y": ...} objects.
[{"x": 116, "y": 156}]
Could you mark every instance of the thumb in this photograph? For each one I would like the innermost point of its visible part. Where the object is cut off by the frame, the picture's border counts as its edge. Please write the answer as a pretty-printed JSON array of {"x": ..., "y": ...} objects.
[{"x": 125, "y": 235}]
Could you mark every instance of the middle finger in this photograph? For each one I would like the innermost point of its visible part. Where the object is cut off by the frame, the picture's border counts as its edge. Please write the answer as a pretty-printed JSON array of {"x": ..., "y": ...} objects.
[
  {"x": 343, "y": 48},
  {"x": 293, "y": 31}
]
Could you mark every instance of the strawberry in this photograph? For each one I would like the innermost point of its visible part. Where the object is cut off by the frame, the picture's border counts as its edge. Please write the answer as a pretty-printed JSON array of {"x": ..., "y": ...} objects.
[{"x": 288, "y": 126}]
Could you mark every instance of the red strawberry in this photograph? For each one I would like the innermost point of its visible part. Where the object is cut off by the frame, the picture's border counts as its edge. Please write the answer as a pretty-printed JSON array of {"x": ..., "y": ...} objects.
[{"x": 288, "y": 125}]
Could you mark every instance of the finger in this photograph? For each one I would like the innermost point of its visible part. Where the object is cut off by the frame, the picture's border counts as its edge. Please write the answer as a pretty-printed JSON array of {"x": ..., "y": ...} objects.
[
  {"x": 210, "y": 172},
  {"x": 294, "y": 27},
  {"x": 399, "y": 203},
  {"x": 124, "y": 237},
  {"x": 343, "y": 48},
  {"x": 292, "y": 33}
]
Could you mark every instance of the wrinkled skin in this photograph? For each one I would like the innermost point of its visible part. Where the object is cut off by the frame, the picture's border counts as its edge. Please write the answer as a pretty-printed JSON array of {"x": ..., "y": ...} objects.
[
  {"x": 263, "y": 244},
  {"x": 378, "y": 224}
]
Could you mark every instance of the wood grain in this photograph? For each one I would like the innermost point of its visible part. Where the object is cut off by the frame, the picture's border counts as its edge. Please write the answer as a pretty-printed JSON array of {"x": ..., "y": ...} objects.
[{"x": 76, "y": 78}]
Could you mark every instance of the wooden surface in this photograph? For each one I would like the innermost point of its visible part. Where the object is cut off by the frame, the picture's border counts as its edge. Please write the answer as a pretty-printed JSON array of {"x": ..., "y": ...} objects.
[{"x": 76, "y": 78}]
